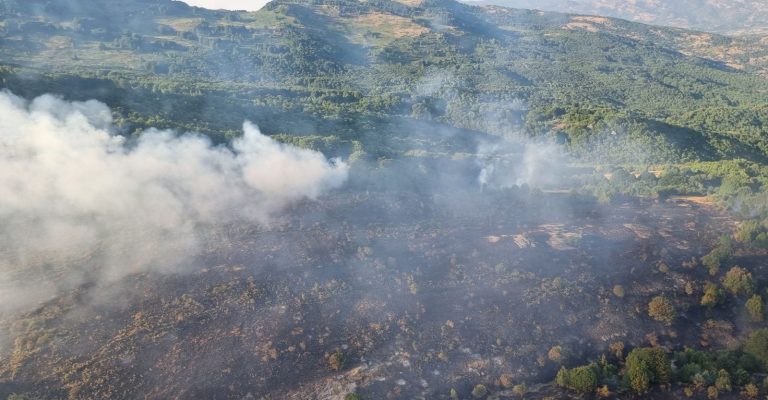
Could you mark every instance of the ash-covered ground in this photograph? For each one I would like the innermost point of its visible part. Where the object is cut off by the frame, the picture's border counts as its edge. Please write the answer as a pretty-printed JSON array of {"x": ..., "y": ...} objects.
[{"x": 386, "y": 290}]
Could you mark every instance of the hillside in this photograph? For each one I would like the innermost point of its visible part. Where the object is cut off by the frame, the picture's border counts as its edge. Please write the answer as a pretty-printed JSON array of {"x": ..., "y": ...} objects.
[
  {"x": 727, "y": 17},
  {"x": 357, "y": 76}
]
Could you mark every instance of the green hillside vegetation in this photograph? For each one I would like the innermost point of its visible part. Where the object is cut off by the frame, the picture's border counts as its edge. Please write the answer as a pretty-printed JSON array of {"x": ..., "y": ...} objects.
[{"x": 372, "y": 73}]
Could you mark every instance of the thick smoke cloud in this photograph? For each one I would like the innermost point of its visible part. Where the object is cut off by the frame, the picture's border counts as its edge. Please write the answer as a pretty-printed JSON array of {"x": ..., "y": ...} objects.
[{"x": 79, "y": 203}]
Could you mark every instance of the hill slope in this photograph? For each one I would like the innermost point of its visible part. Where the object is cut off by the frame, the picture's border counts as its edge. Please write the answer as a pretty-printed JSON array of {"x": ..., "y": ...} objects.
[{"x": 355, "y": 76}]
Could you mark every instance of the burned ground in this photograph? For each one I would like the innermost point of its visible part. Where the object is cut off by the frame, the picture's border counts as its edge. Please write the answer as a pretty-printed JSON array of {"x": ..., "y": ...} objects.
[{"x": 417, "y": 297}]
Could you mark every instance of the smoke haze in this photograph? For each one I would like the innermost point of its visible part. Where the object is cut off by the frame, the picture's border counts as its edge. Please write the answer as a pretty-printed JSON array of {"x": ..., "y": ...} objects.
[{"x": 73, "y": 193}]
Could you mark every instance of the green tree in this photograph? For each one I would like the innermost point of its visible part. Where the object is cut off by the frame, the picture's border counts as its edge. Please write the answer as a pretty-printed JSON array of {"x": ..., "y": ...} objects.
[
  {"x": 723, "y": 381},
  {"x": 639, "y": 376},
  {"x": 646, "y": 366},
  {"x": 757, "y": 345},
  {"x": 721, "y": 253},
  {"x": 739, "y": 281},
  {"x": 661, "y": 309},
  {"x": 713, "y": 295},
  {"x": 581, "y": 379},
  {"x": 755, "y": 308},
  {"x": 747, "y": 231}
]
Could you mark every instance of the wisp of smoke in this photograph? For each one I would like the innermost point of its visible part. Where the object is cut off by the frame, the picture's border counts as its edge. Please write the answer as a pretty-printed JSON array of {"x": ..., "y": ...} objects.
[
  {"x": 79, "y": 203},
  {"x": 516, "y": 163}
]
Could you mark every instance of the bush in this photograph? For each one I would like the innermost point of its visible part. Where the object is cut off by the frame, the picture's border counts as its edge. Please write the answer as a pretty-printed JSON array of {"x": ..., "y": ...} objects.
[
  {"x": 520, "y": 389},
  {"x": 556, "y": 354},
  {"x": 751, "y": 391},
  {"x": 353, "y": 396},
  {"x": 506, "y": 381},
  {"x": 662, "y": 310},
  {"x": 618, "y": 291},
  {"x": 747, "y": 231},
  {"x": 336, "y": 360}
]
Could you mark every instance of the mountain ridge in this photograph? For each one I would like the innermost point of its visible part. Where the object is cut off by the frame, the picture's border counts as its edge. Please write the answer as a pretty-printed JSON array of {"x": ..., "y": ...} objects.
[{"x": 725, "y": 17}]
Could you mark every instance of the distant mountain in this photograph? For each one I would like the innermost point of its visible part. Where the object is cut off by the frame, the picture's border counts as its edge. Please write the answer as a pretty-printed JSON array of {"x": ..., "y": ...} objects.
[{"x": 722, "y": 16}]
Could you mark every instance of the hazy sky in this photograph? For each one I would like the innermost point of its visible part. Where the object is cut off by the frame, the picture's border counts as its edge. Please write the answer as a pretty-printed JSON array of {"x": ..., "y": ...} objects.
[{"x": 250, "y": 5}]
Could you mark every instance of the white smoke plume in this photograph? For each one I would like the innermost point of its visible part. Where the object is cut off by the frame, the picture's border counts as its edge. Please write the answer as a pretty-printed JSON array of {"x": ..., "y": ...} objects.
[
  {"x": 79, "y": 203},
  {"x": 516, "y": 163}
]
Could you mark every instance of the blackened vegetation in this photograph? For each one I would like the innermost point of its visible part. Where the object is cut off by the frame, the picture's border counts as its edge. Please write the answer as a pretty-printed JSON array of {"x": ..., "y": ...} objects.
[{"x": 398, "y": 294}]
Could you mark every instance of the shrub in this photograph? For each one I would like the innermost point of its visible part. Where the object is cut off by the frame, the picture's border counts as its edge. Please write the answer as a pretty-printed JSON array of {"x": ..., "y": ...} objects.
[
  {"x": 723, "y": 381},
  {"x": 751, "y": 391},
  {"x": 506, "y": 381},
  {"x": 689, "y": 288},
  {"x": 556, "y": 354},
  {"x": 618, "y": 349},
  {"x": 336, "y": 360},
  {"x": 520, "y": 389},
  {"x": 618, "y": 291},
  {"x": 479, "y": 391}
]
